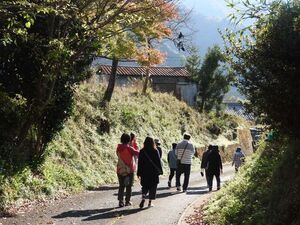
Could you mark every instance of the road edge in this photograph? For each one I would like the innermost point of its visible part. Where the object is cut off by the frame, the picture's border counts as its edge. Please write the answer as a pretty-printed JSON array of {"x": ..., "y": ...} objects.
[{"x": 190, "y": 209}]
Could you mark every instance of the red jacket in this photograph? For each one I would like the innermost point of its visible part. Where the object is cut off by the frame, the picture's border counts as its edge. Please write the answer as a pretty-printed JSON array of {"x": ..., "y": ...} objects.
[
  {"x": 126, "y": 153},
  {"x": 134, "y": 144}
]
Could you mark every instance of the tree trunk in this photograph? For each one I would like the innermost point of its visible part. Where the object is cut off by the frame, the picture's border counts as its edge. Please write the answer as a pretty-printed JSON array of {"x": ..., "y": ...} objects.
[
  {"x": 145, "y": 87},
  {"x": 35, "y": 113},
  {"x": 202, "y": 104},
  {"x": 111, "y": 84}
]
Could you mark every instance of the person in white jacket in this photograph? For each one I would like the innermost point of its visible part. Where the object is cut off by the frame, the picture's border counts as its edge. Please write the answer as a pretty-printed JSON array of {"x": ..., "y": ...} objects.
[
  {"x": 238, "y": 159},
  {"x": 184, "y": 152}
]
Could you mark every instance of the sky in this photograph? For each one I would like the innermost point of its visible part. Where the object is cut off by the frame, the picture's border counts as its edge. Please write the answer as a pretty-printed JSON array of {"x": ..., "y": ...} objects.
[
  {"x": 207, "y": 16},
  {"x": 213, "y": 9}
]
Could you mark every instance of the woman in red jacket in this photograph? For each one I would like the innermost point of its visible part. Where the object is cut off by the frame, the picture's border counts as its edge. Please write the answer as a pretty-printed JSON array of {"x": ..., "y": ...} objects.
[{"x": 125, "y": 169}]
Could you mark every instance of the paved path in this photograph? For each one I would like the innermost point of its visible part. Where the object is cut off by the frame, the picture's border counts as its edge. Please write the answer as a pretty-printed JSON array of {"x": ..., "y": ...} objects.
[{"x": 100, "y": 206}]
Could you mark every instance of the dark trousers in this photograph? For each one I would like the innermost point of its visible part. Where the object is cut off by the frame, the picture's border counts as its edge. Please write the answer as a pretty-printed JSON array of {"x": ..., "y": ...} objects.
[
  {"x": 151, "y": 190},
  {"x": 210, "y": 180},
  {"x": 122, "y": 186},
  {"x": 172, "y": 173},
  {"x": 186, "y": 170},
  {"x": 206, "y": 177}
]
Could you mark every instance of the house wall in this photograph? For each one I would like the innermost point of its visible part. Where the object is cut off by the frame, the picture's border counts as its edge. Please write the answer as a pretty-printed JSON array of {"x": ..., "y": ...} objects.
[
  {"x": 181, "y": 87},
  {"x": 188, "y": 92}
]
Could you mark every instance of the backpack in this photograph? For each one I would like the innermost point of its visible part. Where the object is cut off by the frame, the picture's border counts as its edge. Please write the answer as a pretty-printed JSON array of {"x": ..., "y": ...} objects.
[{"x": 123, "y": 169}]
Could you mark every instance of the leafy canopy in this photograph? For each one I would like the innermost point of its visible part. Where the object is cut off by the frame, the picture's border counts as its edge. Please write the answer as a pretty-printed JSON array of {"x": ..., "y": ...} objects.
[
  {"x": 265, "y": 58},
  {"x": 212, "y": 76},
  {"x": 46, "y": 48}
]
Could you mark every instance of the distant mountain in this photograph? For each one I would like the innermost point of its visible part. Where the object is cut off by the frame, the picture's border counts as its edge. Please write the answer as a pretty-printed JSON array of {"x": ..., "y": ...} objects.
[{"x": 202, "y": 32}]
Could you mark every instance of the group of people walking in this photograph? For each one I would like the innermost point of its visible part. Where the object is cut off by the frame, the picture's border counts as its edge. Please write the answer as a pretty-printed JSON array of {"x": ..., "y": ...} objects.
[{"x": 147, "y": 164}]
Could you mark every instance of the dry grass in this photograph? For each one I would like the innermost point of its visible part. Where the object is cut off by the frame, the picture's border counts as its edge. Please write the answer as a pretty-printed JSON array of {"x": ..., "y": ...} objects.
[{"x": 83, "y": 156}]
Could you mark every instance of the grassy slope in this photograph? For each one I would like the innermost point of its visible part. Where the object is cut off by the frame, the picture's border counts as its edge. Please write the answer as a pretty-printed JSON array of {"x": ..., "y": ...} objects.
[
  {"x": 82, "y": 156},
  {"x": 265, "y": 191}
]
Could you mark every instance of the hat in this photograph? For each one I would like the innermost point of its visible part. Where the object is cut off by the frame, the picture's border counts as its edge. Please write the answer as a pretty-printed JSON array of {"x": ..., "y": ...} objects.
[
  {"x": 157, "y": 141},
  {"x": 186, "y": 136}
]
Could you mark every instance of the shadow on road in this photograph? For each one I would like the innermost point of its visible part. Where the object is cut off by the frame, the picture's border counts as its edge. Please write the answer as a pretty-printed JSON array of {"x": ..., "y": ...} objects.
[
  {"x": 81, "y": 213},
  {"x": 113, "y": 214},
  {"x": 102, "y": 188},
  {"x": 158, "y": 195},
  {"x": 166, "y": 194},
  {"x": 162, "y": 188},
  {"x": 199, "y": 192},
  {"x": 197, "y": 188}
]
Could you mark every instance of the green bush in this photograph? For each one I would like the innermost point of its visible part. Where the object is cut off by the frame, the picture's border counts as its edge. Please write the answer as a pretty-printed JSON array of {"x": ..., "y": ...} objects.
[{"x": 246, "y": 199}]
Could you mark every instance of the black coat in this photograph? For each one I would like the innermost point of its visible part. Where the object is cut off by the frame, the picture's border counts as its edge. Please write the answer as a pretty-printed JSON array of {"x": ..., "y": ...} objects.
[
  {"x": 159, "y": 151},
  {"x": 214, "y": 163},
  {"x": 204, "y": 159},
  {"x": 149, "y": 170}
]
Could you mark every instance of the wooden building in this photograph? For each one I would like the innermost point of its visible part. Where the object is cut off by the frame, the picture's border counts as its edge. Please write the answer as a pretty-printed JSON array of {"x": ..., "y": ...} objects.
[{"x": 174, "y": 80}]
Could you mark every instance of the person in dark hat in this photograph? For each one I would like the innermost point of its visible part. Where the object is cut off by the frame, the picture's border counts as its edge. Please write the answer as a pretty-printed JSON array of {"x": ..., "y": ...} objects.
[
  {"x": 214, "y": 167},
  {"x": 204, "y": 163}
]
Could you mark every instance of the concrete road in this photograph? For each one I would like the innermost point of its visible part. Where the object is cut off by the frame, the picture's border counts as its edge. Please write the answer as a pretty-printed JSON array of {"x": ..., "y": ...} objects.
[{"x": 101, "y": 206}]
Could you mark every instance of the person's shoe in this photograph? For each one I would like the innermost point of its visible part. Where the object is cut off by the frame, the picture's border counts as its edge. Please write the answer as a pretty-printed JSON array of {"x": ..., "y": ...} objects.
[
  {"x": 150, "y": 204},
  {"x": 121, "y": 204},
  {"x": 184, "y": 190},
  {"x": 218, "y": 188},
  {"x": 169, "y": 184},
  {"x": 142, "y": 203},
  {"x": 128, "y": 203},
  {"x": 178, "y": 188},
  {"x": 210, "y": 189}
]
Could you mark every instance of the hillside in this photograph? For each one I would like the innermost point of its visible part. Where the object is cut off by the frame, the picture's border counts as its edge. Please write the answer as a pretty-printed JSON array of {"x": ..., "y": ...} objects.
[
  {"x": 265, "y": 191},
  {"x": 82, "y": 155}
]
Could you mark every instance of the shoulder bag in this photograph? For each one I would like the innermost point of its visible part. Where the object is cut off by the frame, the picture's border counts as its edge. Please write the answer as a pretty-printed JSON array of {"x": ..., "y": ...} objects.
[
  {"x": 159, "y": 171},
  {"x": 179, "y": 160}
]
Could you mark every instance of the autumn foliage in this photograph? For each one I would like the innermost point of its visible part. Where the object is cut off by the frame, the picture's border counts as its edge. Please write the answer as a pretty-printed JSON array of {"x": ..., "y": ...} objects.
[{"x": 47, "y": 47}]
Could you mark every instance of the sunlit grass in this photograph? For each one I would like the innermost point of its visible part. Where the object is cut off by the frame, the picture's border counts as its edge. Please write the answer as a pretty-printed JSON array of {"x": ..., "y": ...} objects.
[{"x": 82, "y": 156}]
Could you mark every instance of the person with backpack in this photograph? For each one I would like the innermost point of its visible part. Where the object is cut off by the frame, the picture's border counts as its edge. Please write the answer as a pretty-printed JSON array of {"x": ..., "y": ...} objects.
[
  {"x": 184, "y": 152},
  {"x": 149, "y": 169},
  {"x": 172, "y": 161},
  {"x": 238, "y": 159},
  {"x": 126, "y": 167},
  {"x": 214, "y": 167}
]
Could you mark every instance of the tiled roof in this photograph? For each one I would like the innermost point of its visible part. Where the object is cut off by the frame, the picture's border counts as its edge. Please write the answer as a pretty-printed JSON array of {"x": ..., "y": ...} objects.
[
  {"x": 238, "y": 110},
  {"x": 154, "y": 71}
]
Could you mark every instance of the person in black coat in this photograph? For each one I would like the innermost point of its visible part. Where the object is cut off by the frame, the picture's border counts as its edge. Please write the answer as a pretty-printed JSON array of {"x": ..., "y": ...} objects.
[
  {"x": 204, "y": 163},
  {"x": 214, "y": 167},
  {"x": 149, "y": 169}
]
